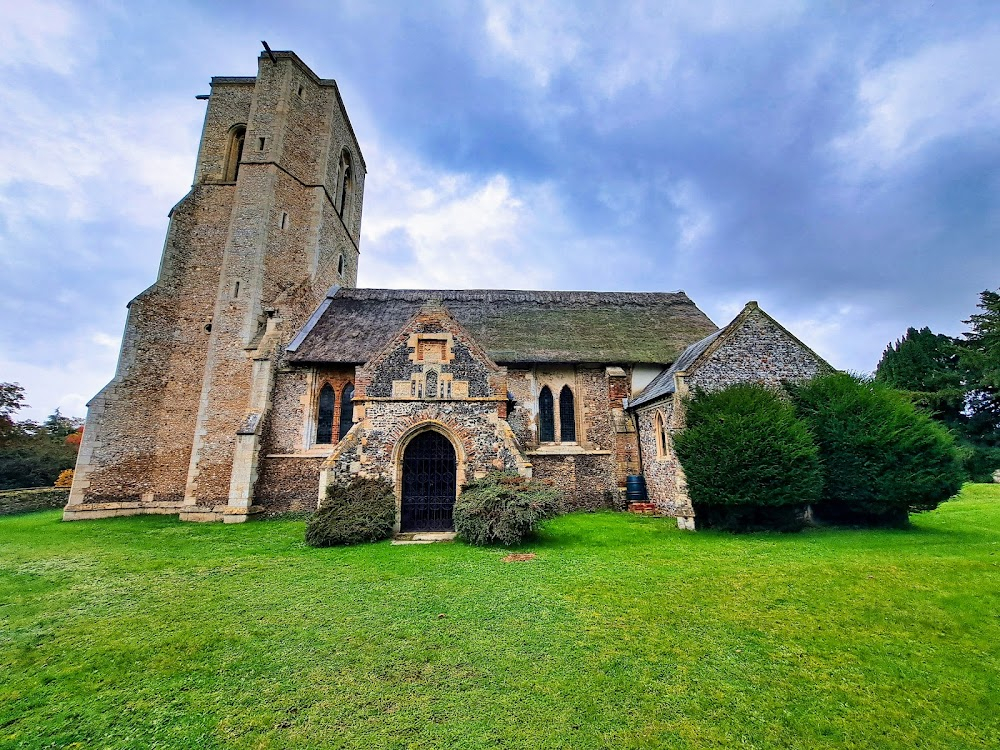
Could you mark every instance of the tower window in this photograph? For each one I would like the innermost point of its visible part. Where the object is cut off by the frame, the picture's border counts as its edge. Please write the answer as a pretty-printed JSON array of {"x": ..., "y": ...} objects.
[
  {"x": 346, "y": 410},
  {"x": 567, "y": 416},
  {"x": 340, "y": 265},
  {"x": 546, "y": 417},
  {"x": 300, "y": 89},
  {"x": 234, "y": 152},
  {"x": 236, "y": 290},
  {"x": 324, "y": 417},
  {"x": 346, "y": 178},
  {"x": 284, "y": 219},
  {"x": 260, "y": 144}
]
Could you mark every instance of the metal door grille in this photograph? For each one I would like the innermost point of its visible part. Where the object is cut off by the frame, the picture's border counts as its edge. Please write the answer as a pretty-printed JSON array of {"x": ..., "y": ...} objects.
[{"x": 428, "y": 484}]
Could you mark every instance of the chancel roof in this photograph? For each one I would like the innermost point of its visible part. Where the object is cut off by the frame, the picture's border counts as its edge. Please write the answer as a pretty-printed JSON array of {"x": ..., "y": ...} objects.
[{"x": 513, "y": 326}]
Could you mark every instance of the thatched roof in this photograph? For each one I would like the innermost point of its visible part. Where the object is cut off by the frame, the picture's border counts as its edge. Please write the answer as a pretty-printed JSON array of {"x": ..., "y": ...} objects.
[{"x": 513, "y": 326}]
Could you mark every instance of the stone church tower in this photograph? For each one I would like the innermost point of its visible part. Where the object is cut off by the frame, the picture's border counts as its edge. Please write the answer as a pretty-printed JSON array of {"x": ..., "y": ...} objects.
[{"x": 271, "y": 223}]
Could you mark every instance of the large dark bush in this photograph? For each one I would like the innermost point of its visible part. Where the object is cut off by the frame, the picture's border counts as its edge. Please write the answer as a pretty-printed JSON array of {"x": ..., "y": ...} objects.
[
  {"x": 503, "y": 508},
  {"x": 750, "y": 462},
  {"x": 363, "y": 511},
  {"x": 882, "y": 459}
]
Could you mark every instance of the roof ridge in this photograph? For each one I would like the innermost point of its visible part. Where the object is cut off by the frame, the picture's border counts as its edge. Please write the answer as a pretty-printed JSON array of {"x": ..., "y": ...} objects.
[{"x": 419, "y": 295}]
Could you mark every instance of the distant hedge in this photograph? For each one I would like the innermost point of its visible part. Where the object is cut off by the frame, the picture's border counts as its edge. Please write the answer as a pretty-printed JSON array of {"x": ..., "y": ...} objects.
[
  {"x": 882, "y": 459},
  {"x": 750, "y": 462},
  {"x": 29, "y": 500}
]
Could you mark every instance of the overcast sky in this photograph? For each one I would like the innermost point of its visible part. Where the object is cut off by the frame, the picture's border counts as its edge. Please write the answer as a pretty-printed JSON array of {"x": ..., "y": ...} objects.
[{"x": 838, "y": 162}]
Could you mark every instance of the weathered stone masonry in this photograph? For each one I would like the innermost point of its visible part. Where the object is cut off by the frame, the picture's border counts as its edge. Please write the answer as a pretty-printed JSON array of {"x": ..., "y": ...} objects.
[{"x": 214, "y": 407}]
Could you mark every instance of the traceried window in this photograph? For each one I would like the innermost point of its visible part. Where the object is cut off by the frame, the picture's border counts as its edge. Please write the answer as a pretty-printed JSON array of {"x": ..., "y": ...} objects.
[
  {"x": 346, "y": 410},
  {"x": 234, "y": 152},
  {"x": 546, "y": 417},
  {"x": 567, "y": 416},
  {"x": 324, "y": 415}
]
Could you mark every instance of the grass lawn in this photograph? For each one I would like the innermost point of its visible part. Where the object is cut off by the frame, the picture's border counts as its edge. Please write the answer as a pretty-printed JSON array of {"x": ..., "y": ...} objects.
[{"x": 623, "y": 633}]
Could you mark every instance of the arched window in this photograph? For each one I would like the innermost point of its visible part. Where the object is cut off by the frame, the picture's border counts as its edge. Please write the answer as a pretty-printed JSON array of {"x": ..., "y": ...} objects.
[
  {"x": 546, "y": 419},
  {"x": 661, "y": 436},
  {"x": 346, "y": 410},
  {"x": 567, "y": 416},
  {"x": 346, "y": 180},
  {"x": 431, "y": 379},
  {"x": 324, "y": 416},
  {"x": 234, "y": 152}
]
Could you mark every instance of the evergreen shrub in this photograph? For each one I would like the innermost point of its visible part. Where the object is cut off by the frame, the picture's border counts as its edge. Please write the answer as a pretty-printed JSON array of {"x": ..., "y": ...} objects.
[
  {"x": 504, "y": 508},
  {"x": 882, "y": 459},
  {"x": 750, "y": 462},
  {"x": 978, "y": 461},
  {"x": 362, "y": 511}
]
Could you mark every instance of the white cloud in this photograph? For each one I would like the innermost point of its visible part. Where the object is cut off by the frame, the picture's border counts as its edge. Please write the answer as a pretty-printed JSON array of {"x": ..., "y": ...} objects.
[
  {"x": 41, "y": 34},
  {"x": 444, "y": 230},
  {"x": 943, "y": 90},
  {"x": 614, "y": 47}
]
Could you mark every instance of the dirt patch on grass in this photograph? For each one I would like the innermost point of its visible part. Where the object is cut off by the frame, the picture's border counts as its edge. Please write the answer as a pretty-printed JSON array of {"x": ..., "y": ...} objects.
[{"x": 519, "y": 557}]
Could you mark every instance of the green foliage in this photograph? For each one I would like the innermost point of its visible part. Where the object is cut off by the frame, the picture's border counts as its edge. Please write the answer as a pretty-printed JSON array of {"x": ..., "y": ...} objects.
[
  {"x": 363, "y": 511},
  {"x": 926, "y": 365},
  {"x": 984, "y": 339},
  {"x": 504, "y": 508},
  {"x": 882, "y": 459},
  {"x": 956, "y": 380},
  {"x": 978, "y": 461},
  {"x": 750, "y": 462},
  {"x": 11, "y": 400},
  {"x": 31, "y": 454}
]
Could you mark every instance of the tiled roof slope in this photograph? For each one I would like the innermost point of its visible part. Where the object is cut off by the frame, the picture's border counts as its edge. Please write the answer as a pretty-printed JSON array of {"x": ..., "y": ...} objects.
[
  {"x": 663, "y": 383},
  {"x": 513, "y": 326}
]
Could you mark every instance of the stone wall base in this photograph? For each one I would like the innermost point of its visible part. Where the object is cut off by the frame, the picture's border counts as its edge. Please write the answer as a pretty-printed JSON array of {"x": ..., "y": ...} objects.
[{"x": 224, "y": 513}]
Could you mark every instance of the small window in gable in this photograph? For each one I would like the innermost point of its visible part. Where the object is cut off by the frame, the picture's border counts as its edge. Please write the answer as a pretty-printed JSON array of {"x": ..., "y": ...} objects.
[
  {"x": 660, "y": 431},
  {"x": 567, "y": 416},
  {"x": 340, "y": 265},
  {"x": 546, "y": 417},
  {"x": 234, "y": 152},
  {"x": 324, "y": 416},
  {"x": 346, "y": 410}
]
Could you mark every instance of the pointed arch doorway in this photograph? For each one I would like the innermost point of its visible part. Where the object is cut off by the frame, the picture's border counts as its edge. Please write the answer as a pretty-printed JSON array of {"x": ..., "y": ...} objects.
[{"x": 428, "y": 483}]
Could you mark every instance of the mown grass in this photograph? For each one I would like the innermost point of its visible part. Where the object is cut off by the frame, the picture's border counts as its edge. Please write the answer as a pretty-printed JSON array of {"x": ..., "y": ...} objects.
[{"x": 623, "y": 632}]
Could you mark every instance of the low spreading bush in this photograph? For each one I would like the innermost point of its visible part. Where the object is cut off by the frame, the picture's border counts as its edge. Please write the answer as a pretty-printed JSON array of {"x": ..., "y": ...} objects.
[
  {"x": 750, "y": 462},
  {"x": 363, "y": 511},
  {"x": 882, "y": 459},
  {"x": 503, "y": 508}
]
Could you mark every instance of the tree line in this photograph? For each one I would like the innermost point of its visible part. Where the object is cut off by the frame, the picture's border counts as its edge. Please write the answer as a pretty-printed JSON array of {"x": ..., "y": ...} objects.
[
  {"x": 957, "y": 381},
  {"x": 34, "y": 454}
]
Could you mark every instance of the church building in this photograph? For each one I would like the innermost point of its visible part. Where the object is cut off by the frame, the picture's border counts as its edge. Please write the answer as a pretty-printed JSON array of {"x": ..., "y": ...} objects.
[{"x": 254, "y": 373}]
